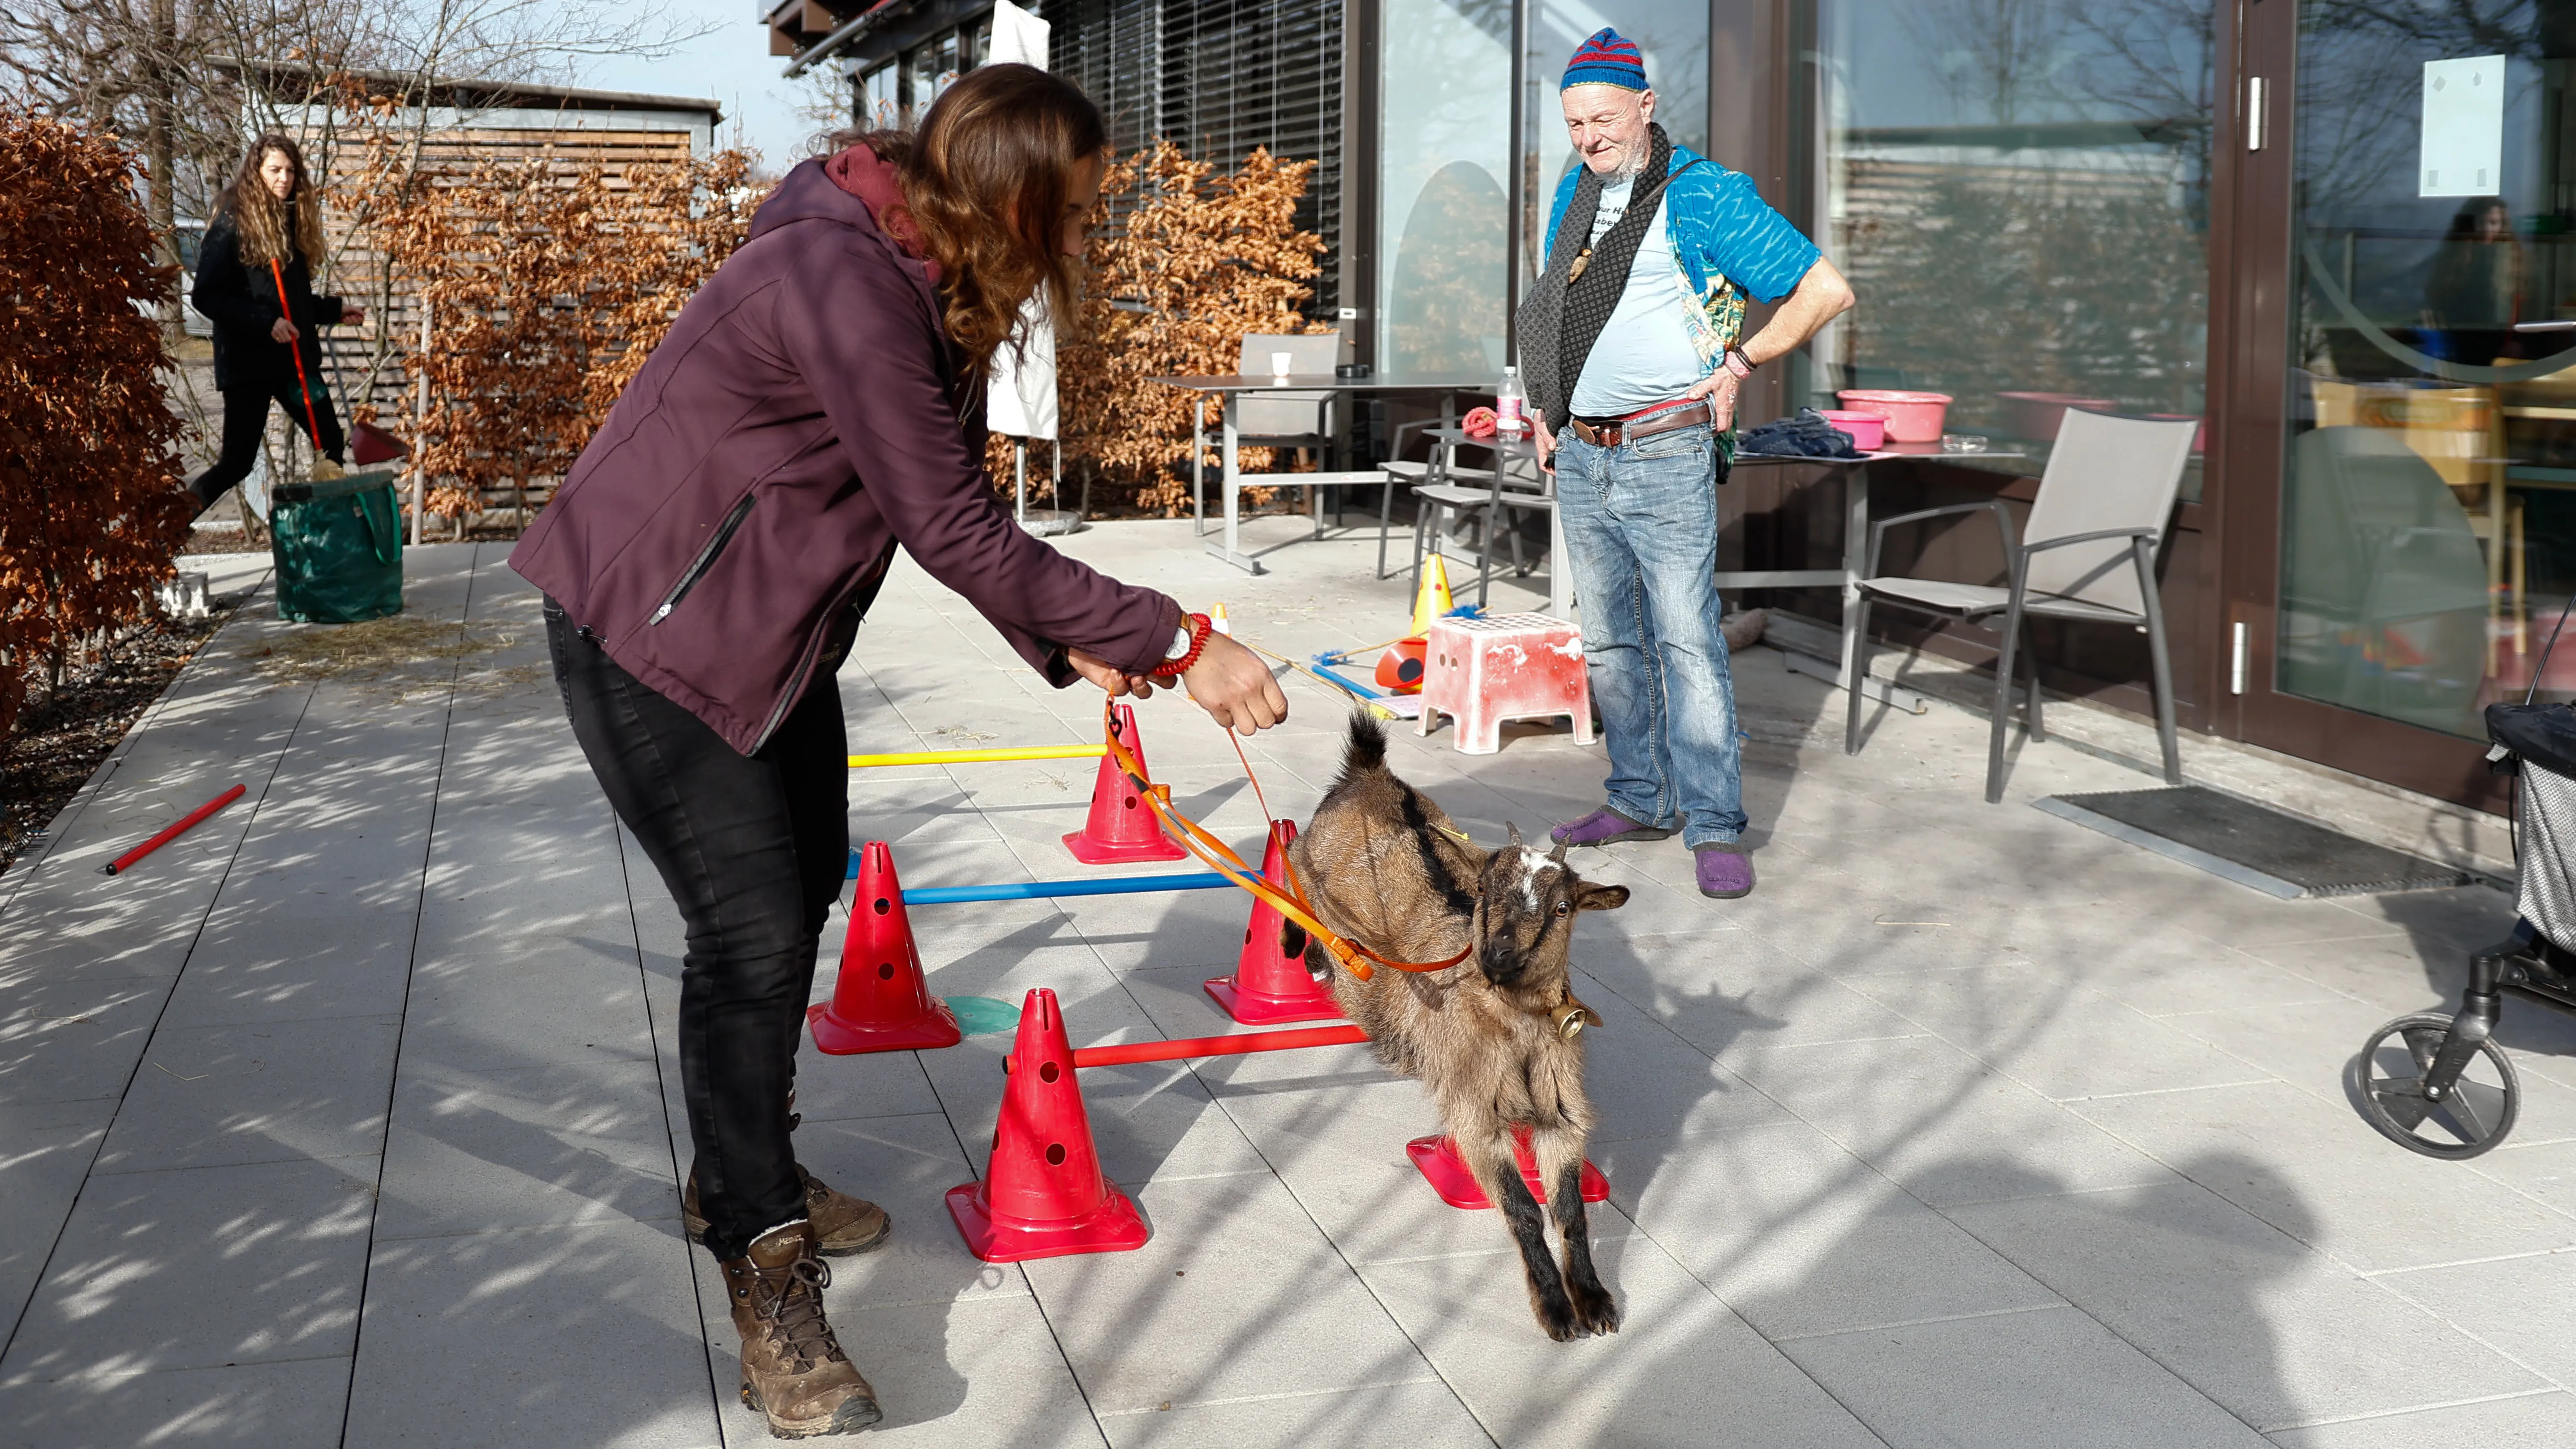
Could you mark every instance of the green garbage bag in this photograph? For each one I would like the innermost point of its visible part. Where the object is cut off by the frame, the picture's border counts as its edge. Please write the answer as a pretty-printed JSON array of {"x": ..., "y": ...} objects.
[{"x": 338, "y": 547}]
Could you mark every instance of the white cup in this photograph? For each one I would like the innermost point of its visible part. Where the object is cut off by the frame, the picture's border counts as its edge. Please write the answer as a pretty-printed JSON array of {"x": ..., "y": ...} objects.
[{"x": 1279, "y": 364}]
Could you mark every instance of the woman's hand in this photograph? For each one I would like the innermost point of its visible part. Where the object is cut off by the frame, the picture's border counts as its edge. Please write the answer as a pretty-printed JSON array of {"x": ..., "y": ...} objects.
[
  {"x": 1231, "y": 683},
  {"x": 1101, "y": 672},
  {"x": 352, "y": 315},
  {"x": 282, "y": 330}
]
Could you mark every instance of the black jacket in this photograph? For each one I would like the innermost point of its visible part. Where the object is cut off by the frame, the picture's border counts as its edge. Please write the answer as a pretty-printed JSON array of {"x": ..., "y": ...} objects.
[{"x": 241, "y": 301}]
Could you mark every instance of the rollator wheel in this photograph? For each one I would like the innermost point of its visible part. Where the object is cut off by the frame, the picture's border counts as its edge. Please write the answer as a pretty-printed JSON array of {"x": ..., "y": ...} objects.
[{"x": 2475, "y": 1116}]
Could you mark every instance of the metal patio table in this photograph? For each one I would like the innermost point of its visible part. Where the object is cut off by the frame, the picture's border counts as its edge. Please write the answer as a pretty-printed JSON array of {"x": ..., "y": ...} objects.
[{"x": 1234, "y": 480}]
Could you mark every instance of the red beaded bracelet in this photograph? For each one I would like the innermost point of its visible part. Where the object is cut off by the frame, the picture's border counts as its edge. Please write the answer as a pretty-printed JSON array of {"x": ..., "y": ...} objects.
[{"x": 1201, "y": 626}]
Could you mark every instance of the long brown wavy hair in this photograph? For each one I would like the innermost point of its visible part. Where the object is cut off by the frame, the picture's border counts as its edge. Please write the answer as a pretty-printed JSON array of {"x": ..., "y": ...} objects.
[
  {"x": 261, "y": 219},
  {"x": 986, "y": 180}
]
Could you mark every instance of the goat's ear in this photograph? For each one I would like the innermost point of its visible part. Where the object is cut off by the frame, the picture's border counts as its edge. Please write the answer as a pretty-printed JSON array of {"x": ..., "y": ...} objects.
[
  {"x": 1600, "y": 898},
  {"x": 1292, "y": 939}
]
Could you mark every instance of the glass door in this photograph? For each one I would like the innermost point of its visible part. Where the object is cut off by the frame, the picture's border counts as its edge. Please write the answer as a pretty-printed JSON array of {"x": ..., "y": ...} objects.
[{"x": 2426, "y": 515}]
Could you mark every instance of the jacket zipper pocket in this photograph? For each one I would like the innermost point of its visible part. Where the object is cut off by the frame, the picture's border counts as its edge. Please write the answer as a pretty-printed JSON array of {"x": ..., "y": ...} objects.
[{"x": 705, "y": 560}]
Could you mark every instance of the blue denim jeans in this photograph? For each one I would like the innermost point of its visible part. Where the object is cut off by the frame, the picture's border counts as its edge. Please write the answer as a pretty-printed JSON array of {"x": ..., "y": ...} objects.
[{"x": 1641, "y": 522}]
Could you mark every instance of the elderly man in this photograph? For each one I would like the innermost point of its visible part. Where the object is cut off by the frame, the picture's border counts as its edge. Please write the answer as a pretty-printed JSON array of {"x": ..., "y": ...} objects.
[{"x": 1629, "y": 342}]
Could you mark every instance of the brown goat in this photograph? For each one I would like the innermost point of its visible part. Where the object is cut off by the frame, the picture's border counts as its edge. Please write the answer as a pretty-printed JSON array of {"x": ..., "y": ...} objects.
[{"x": 1497, "y": 1038}]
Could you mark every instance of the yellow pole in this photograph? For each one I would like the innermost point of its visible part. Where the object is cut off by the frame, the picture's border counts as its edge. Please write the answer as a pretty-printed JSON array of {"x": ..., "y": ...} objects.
[{"x": 970, "y": 757}]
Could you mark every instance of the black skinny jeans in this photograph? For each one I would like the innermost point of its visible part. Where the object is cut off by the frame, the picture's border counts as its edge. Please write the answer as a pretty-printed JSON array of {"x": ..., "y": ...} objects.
[
  {"x": 246, "y": 418},
  {"x": 754, "y": 850}
]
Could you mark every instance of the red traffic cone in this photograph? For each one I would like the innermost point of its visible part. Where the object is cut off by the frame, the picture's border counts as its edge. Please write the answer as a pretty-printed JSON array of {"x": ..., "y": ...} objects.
[
  {"x": 1043, "y": 1195},
  {"x": 1121, "y": 827},
  {"x": 1447, "y": 1173},
  {"x": 880, "y": 1003},
  {"x": 1269, "y": 986}
]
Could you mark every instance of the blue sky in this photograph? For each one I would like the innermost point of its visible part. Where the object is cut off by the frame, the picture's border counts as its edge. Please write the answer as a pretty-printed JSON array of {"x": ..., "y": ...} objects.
[{"x": 731, "y": 64}]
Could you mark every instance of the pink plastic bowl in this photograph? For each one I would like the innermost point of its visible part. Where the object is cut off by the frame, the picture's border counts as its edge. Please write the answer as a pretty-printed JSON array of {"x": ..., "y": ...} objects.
[
  {"x": 1912, "y": 417},
  {"x": 1868, "y": 431}
]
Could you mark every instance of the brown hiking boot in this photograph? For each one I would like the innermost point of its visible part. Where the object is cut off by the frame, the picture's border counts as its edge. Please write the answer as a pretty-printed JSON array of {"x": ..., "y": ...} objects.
[
  {"x": 793, "y": 1369},
  {"x": 842, "y": 1224}
]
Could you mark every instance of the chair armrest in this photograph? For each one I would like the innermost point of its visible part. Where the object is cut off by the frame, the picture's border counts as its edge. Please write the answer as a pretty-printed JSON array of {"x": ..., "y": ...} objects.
[
  {"x": 1878, "y": 530},
  {"x": 2098, "y": 535}
]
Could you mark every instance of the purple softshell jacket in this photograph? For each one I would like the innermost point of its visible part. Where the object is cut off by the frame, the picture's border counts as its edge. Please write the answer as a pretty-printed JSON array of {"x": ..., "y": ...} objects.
[{"x": 752, "y": 482}]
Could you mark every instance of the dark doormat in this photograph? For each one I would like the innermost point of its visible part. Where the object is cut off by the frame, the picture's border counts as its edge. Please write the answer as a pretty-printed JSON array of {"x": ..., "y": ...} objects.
[{"x": 2250, "y": 845}]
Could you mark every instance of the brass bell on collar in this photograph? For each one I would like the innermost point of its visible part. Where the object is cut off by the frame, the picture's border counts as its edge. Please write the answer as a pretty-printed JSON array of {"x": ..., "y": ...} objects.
[{"x": 1571, "y": 1018}]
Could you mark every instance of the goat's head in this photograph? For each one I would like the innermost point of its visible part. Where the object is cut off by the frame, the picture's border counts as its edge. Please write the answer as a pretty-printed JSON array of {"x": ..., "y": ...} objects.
[{"x": 1525, "y": 906}]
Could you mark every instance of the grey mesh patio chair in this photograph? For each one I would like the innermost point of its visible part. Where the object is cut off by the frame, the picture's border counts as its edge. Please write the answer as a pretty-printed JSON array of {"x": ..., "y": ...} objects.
[
  {"x": 2089, "y": 553},
  {"x": 1403, "y": 472},
  {"x": 1276, "y": 419},
  {"x": 1451, "y": 493}
]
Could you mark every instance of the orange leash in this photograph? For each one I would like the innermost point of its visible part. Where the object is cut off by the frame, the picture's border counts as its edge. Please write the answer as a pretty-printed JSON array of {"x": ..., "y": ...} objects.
[
  {"x": 296, "y": 350},
  {"x": 1290, "y": 903}
]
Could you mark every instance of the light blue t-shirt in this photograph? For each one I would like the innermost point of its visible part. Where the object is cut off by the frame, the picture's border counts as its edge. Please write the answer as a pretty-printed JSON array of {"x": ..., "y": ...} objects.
[{"x": 1644, "y": 355}]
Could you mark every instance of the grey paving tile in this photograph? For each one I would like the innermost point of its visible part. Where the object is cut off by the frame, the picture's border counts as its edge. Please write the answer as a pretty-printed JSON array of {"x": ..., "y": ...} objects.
[
  {"x": 294, "y": 1404},
  {"x": 1425, "y": 1414},
  {"x": 582, "y": 1334},
  {"x": 2315, "y": 1170},
  {"x": 201, "y": 1267},
  {"x": 2049, "y": 1377},
  {"x": 1238, "y": 1295},
  {"x": 571, "y": 999},
  {"x": 76, "y": 1039},
  {"x": 2518, "y": 1305},
  {"x": 1945, "y": 1126},
  {"x": 905, "y": 1165},
  {"x": 532, "y": 1147},
  {"x": 2051, "y": 1032},
  {"x": 2525, "y": 1421},
  {"x": 45, "y": 1153},
  {"x": 1800, "y": 1237},
  {"x": 1472, "y": 1317},
  {"x": 2250, "y": 1316},
  {"x": 216, "y": 1095},
  {"x": 261, "y": 965}
]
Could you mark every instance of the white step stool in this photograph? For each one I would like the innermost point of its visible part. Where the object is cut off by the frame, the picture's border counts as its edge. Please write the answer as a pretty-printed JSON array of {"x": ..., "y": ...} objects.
[{"x": 1483, "y": 671}]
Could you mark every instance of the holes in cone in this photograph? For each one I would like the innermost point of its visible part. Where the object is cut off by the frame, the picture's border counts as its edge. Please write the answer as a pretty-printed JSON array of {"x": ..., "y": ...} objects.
[
  {"x": 1055, "y": 1154},
  {"x": 1049, "y": 1072},
  {"x": 885, "y": 971},
  {"x": 1131, "y": 802},
  {"x": 883, "y": 905}
]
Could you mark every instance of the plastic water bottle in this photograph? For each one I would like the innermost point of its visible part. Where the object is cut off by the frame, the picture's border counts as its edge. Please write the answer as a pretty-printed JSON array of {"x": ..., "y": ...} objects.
[{"x": 1511, "y": 405}]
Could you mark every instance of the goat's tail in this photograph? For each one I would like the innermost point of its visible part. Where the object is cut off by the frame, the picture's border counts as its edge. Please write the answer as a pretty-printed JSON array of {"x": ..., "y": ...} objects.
[{"x": 1366, "y": 748}]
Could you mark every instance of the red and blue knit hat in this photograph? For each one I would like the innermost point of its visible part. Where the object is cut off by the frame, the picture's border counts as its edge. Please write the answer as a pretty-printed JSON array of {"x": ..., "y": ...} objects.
[{"x": 1607, "y": 59}]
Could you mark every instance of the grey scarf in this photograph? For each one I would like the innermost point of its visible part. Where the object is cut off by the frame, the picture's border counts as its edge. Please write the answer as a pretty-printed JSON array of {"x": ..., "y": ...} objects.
[{"x": 1565, "y": 311}]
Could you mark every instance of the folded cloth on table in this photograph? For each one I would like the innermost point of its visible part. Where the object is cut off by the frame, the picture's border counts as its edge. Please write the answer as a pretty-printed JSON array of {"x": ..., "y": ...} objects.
[{"x": 1807, "y": 435}]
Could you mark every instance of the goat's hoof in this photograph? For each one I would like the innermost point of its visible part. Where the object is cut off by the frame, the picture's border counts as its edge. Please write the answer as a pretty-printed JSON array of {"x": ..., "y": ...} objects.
[{"x": 1597, "y": 1312}]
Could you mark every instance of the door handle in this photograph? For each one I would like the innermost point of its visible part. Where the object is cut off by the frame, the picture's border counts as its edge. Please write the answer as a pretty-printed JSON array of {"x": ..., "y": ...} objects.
[{"x": 2255, "y": 93}]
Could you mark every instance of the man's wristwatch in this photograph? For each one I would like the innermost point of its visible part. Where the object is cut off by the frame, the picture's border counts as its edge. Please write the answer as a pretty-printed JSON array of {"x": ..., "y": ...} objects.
[{"x": 1739, "y": 364}]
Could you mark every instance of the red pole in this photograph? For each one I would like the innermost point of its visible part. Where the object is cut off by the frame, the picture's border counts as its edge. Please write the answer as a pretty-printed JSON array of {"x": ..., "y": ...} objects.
[
  {"x": 173, "y": 833},
  {"x": 1217, "y": 1046}
]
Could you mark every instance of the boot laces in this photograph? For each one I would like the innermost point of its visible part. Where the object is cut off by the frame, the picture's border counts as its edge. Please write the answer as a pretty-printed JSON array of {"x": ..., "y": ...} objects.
[{"x": 793, "y": 1308}]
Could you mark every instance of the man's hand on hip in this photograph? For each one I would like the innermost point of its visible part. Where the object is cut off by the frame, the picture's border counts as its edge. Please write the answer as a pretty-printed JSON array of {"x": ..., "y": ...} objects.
[
  {"x": 1546, "y": 443},
  {"x": 1719, "y": 388}
]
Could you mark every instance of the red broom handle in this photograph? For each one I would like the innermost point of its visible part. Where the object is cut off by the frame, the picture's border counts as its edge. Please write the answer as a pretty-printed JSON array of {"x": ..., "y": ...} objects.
[
  {"x": 173, "y": 833},
  {"x": 1214, "y": 1046},
  {"x": 312, "y": 424}
]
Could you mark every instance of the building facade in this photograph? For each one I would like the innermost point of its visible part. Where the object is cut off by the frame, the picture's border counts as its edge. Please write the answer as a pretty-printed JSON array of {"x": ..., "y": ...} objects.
[{"x": 2335, "y": 232}]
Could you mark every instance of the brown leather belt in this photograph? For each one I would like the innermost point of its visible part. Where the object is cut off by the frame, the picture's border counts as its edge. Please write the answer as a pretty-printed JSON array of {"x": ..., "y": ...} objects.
[{"x": 1629, "y": 429}]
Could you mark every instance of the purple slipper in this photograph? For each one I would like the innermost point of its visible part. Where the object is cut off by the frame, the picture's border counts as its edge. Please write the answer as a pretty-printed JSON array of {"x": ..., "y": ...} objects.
[
  {"x": 1725, "y": 872},
  {"x": 1605, "y": 826}
]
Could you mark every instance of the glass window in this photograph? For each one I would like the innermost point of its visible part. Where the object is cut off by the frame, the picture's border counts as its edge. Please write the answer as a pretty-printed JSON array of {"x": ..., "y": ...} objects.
[
  {"x": 2018, "y": 190},
  {"x": 881, "y": 97},
  {"x": 2429, "y": 495},
  {"x": 1445, "y": 128}
]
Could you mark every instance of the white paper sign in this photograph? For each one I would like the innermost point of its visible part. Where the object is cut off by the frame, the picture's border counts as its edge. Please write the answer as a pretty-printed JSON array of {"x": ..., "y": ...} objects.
[{"x": 2463, "y": 127}]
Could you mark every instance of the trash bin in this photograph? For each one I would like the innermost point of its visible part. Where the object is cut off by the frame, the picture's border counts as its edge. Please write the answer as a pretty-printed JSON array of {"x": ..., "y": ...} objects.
[{"x": 337, "y": 543}]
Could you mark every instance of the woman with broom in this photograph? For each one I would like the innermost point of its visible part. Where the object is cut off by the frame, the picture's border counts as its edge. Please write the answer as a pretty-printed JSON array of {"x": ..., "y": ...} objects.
[
  {"x": 255, "y": 283},
  {"x": 707, "y": 563}
]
